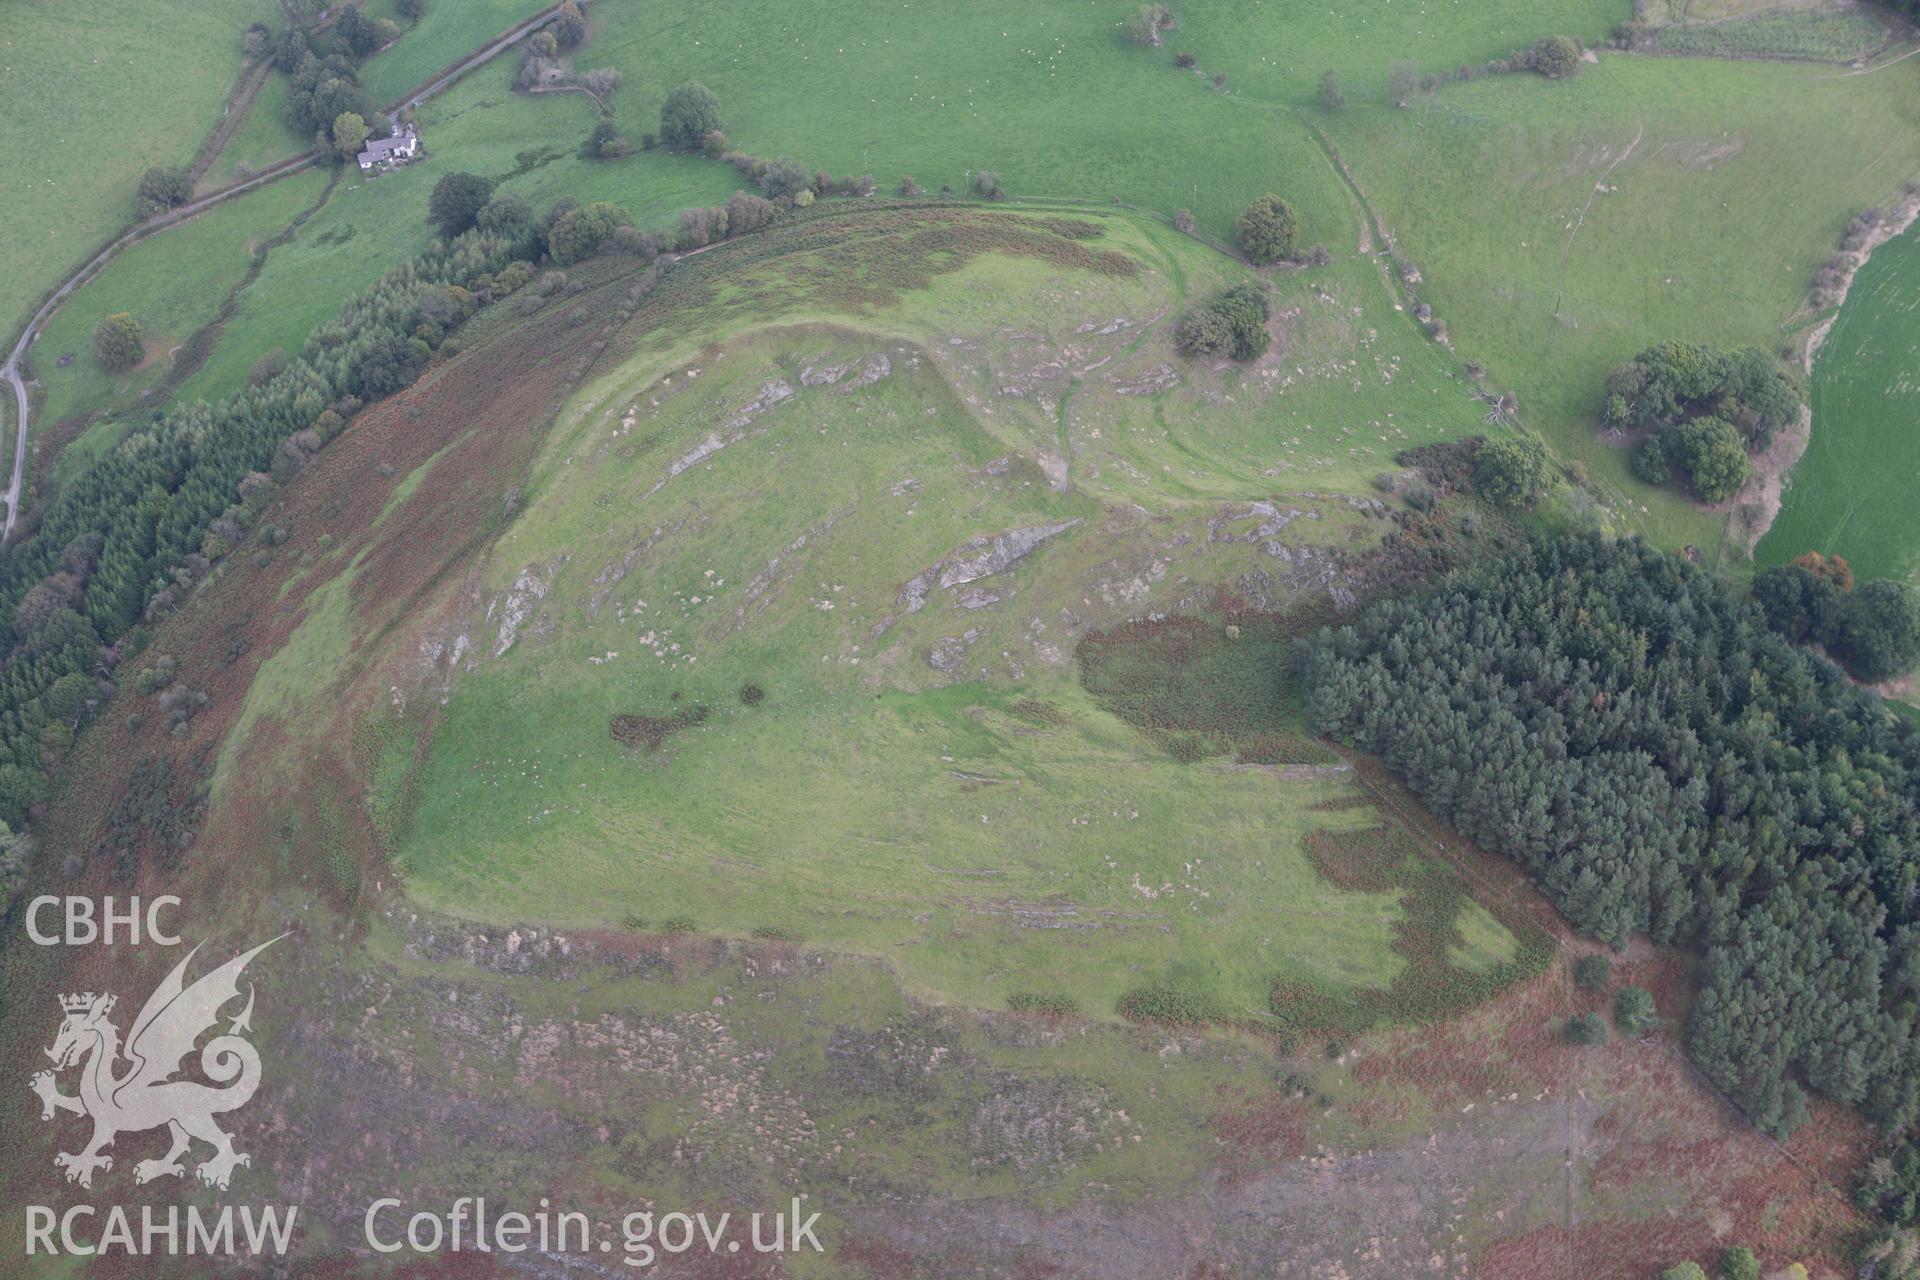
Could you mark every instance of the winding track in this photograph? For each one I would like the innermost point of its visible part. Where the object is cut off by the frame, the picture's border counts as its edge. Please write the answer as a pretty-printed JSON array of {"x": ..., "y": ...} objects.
[{"x": 11, "y": 370}]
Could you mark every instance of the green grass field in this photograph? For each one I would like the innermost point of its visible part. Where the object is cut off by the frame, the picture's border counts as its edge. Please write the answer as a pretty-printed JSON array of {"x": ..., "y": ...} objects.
[
  {"x": 1278, "y": 53},
  {"x": 1561, "y": 227},
  {"x": 928, "y": 785},
  {"x": 1851, "y": 494},
  {"x": 444, "y": 34},
  {"x": 172, "y": 284},
  {"x": 1792, "y": 31},
  {"x": 370, "y": 225},
  {"x": 482, "y": 126},
  {"x": 1546, "y": 290},
  {"x": 650, "y": 719},
  {"x": 1049, "y": 96},
  {"x": 97, "y": 92},
  {"x": 264, "y": 137},
  {"x": 447, "y": 32}
]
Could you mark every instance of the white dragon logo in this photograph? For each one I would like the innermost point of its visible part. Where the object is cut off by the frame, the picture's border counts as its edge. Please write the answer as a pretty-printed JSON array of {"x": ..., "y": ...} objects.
[{"x": 146, "y": 1096}]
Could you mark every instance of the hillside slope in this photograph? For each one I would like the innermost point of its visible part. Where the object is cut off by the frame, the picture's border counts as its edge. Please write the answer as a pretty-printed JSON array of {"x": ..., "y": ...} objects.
[{"x": 675, "y": 729}]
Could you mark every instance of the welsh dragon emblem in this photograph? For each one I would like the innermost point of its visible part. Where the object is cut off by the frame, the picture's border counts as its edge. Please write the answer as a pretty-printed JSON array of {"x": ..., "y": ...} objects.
[{"x": 145, "y": 1095}]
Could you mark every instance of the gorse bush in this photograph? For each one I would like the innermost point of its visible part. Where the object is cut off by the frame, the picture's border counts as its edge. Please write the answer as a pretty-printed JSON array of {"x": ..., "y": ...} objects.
[
  {"x": 1587, "y": 1028},
  {"x": 1554, "y": 57},
  {"x": 1663, "y": 762},
  {"x": 1169, "y": 1004},
  {"x": 161, "y": 188},
  {"x": 1593, "y": 972}
]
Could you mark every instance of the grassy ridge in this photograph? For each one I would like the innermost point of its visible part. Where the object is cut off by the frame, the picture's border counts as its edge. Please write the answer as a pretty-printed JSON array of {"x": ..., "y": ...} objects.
[{"x": 932, "y": 785}]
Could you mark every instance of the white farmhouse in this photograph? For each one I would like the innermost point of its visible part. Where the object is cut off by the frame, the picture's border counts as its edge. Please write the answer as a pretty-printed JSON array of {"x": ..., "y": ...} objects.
[{"x": 403, "y": 146}]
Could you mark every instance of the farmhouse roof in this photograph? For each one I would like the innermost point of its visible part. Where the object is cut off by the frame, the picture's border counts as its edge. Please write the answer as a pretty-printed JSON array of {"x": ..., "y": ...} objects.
[{"x": 404, "y": 139}]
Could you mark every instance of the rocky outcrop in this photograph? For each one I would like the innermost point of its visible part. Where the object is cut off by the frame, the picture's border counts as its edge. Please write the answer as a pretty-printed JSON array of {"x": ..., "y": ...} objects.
[
  {"x": 870, "y": 369},
  {"x": 982, "y": 557},
  {"x": 521, "y": 603},
  {"x": 736, "y": 428},
  {"x": 1161, "y": 377}
]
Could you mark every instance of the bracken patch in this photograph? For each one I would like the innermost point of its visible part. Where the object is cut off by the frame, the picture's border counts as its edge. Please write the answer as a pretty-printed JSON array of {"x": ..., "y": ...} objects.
[{"x": 651, "y": 732}]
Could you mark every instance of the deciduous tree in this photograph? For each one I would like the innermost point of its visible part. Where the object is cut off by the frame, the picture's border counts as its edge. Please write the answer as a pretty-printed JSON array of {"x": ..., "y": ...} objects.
[
  {"x": 117, "y": 342},
  {"x": 456, "y": 201},
  {"x": 1268, "y": 229},
  {"x": 162, "y": 188},
  {"x": 578, "y": 235},
  {"x": 349, "y": 134},
  {"x": 1510, "y": 473},
  {"x": 688, "y": 115}
]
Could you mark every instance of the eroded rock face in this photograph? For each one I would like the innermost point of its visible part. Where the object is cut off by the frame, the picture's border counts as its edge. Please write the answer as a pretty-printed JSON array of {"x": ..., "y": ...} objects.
[
  {"x": 981, "y": 557},
  {"x": 950, "y": 653},
  {"x": 864, "y": 372},
  {"x": 1161, "y": 377},
  {"x": 813, "y": 374},
  {"x": 522, "y": 602},
  {"x": 872, "y": 369},
  {"x": 775, "y": 392}
]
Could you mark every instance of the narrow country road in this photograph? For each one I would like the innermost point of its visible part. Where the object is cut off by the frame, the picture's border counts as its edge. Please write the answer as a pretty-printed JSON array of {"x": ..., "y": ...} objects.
[{"x": 16, "y": 358}]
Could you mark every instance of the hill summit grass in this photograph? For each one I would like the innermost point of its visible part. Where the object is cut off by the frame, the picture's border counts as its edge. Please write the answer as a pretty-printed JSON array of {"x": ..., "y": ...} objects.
[{"x": 792, "y": 432}]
